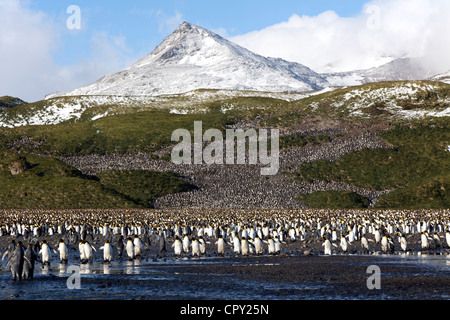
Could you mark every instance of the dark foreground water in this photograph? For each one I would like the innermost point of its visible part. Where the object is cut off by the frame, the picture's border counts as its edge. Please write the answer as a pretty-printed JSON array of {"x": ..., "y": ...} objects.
[{"x": 238, "y": 278}]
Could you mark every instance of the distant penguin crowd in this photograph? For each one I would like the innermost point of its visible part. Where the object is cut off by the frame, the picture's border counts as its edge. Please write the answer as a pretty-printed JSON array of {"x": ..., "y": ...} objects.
[{"x": 40, "y": 237}]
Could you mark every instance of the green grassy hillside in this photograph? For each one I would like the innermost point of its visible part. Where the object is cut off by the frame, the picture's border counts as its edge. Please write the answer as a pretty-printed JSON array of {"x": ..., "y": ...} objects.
[
  {"x": 48, "y": 183},
  {"x": 416, "y": 167}
]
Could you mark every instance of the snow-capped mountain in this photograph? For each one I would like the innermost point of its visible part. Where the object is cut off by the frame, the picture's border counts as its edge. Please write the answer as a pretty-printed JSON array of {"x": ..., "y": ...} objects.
[
  {"x": 396, "y": 70},
  {"x": 194, "y": 58}
]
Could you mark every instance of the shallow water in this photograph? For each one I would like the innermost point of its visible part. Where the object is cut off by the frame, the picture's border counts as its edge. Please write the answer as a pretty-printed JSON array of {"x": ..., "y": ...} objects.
[{"x": 175, "y": 279}]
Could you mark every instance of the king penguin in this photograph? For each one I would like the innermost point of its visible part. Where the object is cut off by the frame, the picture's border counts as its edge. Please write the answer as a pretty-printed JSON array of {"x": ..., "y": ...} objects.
[
  {"x": 88, "y": 251},
  {"x": 107, "y": 251},
  {"x": 162, "y": 243},
  {"x": 177, "y": 246},
  {"x": 45, "y": 253},
  {"x": 270, "y": 245},
  {"x": 447, "y": 238},
  {"x": 236, "y": 244},
  {"x": 202, "y": 245},
  {"x": 10, "y": 250},
  {"x": 424, "y": 241},
  {"x": 82, "y": 253},
  {"x": 28, "y": 263},
  {"x": 403, "y": 243},
  {"x": 15, "y": 263},
  {"x": 258, "y": 245},
  {"x": 138, "y": 247},
  {"x": 63, "y": 252},
  {"x": 343, "y": 244},
  {"x": 129, "y": 248},
  {"x": 244, "y": 246},
  {"x": 195, "y": 245},
  {"x": 186, "y": 243},
  {"x": 120, "y": 246},
  {"x": 364, "y": 244},
  {"x": 326, "y": 246},
  {"x": 220, "y": 246}
]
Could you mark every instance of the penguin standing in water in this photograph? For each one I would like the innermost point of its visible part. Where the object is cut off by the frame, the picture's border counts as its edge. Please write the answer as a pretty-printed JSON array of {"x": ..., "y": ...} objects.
[
  {"x": 10, "y": 250},
  {"x": 177, "y": 246},
  {"x": 129, "y": 248},
  {"x": 82, "y": 253},
  {"x": 63, "y": 252},
  {"x": 28, "y": 264},
  {"x": 220, "y": 246},
  {"x": 16, "y": 261},
  {"x": 138, "y": 247},
  {"x": 45, "y": 253},
  {"x": 107, "y": 251},
  {"x": 88, "y": 251}
]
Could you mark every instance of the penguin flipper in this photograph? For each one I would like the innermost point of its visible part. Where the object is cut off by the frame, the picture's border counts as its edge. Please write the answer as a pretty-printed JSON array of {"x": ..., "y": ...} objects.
[
  {"x": 4, "y": 255},
  {"x": 26, "y": 259}
]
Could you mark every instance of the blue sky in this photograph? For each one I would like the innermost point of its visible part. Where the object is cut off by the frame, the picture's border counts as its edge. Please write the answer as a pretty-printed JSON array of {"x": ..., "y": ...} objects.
[
  {"x": 144, "y": 24},
  {"x": 39, "y": 55}
]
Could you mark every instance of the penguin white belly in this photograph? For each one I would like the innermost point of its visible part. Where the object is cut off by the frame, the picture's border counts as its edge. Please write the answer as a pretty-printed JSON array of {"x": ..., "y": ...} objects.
[
  {"x": 244, "y": 248},
  {"x": 220, "y": 246},
  {"x": 195, "y": 248},
  {"x": 178, "y": 247},
  {"x": 45, "y": 254},
  {"x": 130, "y": 249},
  {"x": 63, "y": 252},
  {"x": 237, "y": 245},
  {"x": 327, "y": 247},
  {"x": 107, "y": 252}
]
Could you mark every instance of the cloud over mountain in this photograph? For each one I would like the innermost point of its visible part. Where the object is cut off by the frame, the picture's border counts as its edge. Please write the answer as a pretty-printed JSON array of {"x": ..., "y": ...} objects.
[{"x": 383, "y": 30}]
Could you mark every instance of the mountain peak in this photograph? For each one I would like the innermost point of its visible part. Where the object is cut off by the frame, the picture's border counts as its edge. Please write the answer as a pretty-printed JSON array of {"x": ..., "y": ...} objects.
[{"x": 195, "y": 58}]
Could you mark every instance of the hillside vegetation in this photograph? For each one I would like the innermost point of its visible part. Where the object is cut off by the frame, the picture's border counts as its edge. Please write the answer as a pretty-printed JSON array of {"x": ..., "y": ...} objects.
[
  {"x": 47, "y": 183},
  {"x": 415, "y": 168}
]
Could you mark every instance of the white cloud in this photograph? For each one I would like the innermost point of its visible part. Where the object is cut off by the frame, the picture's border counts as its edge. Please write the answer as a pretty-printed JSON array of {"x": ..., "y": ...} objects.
[
  {"x": 167, "y": 24},
  {"x": 28, "y": 42},
  {"x": 384, "y": 28}
]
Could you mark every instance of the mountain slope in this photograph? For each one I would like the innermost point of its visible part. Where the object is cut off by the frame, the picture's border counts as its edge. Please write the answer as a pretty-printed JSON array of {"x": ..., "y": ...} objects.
[
  {"x": 194, "y": 58},
  {"x": 396, "y": 70}
]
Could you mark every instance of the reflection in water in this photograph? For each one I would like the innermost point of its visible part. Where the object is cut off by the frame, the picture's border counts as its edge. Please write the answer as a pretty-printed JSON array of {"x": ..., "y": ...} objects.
[
  {"x": 106, "y": 268},
  {"x": 162, "y": 278}
]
